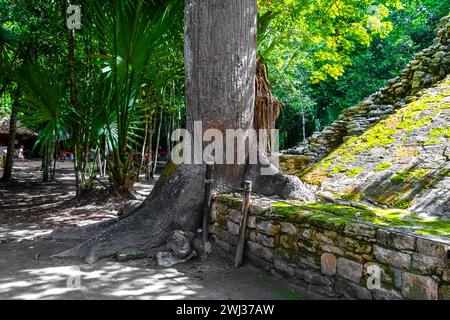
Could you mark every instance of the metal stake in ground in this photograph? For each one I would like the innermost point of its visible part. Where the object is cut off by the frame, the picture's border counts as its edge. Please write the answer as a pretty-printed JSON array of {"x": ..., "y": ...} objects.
[
  {"x": 207, "y": 205},
  {"x": 243, "y": 227}
]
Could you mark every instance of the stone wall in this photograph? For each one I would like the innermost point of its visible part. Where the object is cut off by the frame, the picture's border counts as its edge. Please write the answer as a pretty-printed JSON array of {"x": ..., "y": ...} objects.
[
  {"x": 333, "y": 257},
  {"x": 428, "y": 67}
]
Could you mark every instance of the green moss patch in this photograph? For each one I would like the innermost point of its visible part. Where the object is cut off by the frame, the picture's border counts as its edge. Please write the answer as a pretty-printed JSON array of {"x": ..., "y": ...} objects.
[
  {"x": 440, "y": 131},
  {"x": 382, "y": 166},
  {"x": 167, "y": 172},
  {"x": 409, "y": 175},
  {"x": 351, "y": 196},
  {"x": 353, "y": 172},
  {"x": 403, "y": 203},
  {"x": 230, "y": 201},
  {"x": 340, "y": 214},
  {"x": 398, "y": 127}
]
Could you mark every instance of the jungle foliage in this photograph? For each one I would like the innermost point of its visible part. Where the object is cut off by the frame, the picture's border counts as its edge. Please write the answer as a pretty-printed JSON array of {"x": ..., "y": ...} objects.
[{"x": 114, "y": 89}]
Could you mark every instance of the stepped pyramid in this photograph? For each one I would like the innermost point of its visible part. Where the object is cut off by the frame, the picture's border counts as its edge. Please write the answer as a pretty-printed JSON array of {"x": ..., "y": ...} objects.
[
  {"x": 402, "y": 162},
  {"x": 428, "y": 67},
  {"x": 393, "y": 148}
]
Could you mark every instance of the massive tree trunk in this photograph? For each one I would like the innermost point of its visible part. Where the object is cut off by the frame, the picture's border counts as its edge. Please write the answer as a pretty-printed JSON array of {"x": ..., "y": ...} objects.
[{"x": 220, "y": 55}]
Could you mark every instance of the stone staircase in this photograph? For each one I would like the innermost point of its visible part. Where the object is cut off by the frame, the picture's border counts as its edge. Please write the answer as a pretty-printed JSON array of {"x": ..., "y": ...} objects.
[{"x": 428, "y": 67}]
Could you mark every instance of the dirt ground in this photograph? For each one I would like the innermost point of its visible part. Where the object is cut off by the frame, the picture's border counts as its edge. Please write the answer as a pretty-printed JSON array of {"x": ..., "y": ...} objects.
[{"x": 30, "y": 210}]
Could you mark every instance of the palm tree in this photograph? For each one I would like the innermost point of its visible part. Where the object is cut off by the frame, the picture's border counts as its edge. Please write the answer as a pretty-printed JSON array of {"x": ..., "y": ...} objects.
[
  {"x": 6, "y": 67},
  {"x": 6, "y": 45},
  {"x": 46, "y": 110},
  {"x": 135, "y": 37}
]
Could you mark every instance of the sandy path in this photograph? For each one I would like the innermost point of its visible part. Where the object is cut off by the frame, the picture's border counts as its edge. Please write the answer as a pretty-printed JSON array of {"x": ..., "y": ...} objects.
[{"x": 29, "y": 210}]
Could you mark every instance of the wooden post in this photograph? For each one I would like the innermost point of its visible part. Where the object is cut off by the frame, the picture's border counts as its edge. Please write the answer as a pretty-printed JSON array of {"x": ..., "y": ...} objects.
[
  {"x": 243, "y": 227},
  {"x": 207, "y": 205}
]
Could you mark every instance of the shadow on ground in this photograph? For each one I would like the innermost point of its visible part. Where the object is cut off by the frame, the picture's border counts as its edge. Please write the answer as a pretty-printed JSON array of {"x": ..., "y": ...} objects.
[
  {"x": 30, "y": 210},
  {"x": 28, "y": 272}
]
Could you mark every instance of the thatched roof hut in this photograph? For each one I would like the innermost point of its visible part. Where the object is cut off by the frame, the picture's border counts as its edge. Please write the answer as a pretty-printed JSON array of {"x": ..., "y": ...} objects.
[
  {"x": 24, "y": 136},
  {"x": 21, "y": 130}
]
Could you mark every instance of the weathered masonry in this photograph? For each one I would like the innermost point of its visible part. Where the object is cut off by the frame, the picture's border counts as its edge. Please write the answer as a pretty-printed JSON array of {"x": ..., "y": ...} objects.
[
  {"x": 334, "y": 255},
  {"x": 428, "y": 67}
]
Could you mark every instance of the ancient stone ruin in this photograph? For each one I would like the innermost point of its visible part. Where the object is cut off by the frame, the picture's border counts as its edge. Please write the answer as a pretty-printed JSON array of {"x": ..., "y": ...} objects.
[
  {"x": 382, "y": 170},
  {"x": 335, "y": 257},
  {"x": 428, "y": 67},
  {"x": 392, "y": 149}
]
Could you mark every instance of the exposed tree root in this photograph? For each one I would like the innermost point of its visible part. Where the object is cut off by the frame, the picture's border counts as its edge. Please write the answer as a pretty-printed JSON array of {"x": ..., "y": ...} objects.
[
  {"x": 175, "y": 204},
  {"x": 267, "y": 107},
  {"x": 81, "y": 233},
  {"x": 224, "y": 39},
  {"x": 274, "y": 182}
]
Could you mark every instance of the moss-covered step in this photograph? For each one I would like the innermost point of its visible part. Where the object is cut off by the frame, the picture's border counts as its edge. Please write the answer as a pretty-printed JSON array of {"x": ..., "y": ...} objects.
[{"x": 340, "y": 214}]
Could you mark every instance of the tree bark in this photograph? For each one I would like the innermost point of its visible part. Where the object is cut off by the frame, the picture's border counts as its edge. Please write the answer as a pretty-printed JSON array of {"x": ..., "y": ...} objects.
[
  {"x": 220, "y": 63},
  {"x": 45, "y": 164},
  {"x": 155, "y": 162},
  {"x": 76, "y": 130},
  {"x": 220, "y": 55},
  {"x": 7, "y": 172},
  {"x": 149, "y": 166}
]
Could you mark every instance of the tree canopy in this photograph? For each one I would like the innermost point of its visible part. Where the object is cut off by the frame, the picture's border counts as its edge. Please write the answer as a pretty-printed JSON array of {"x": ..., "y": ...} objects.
[{"x": 124, "y": 69}]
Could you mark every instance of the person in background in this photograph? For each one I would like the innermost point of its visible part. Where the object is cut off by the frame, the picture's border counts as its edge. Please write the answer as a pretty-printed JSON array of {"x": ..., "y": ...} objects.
[{"x": 21, "y": 154}]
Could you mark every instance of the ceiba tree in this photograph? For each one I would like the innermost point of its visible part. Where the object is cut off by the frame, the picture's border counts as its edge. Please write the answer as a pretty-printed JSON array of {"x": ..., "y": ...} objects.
[{"x": 220, "y": 63}]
